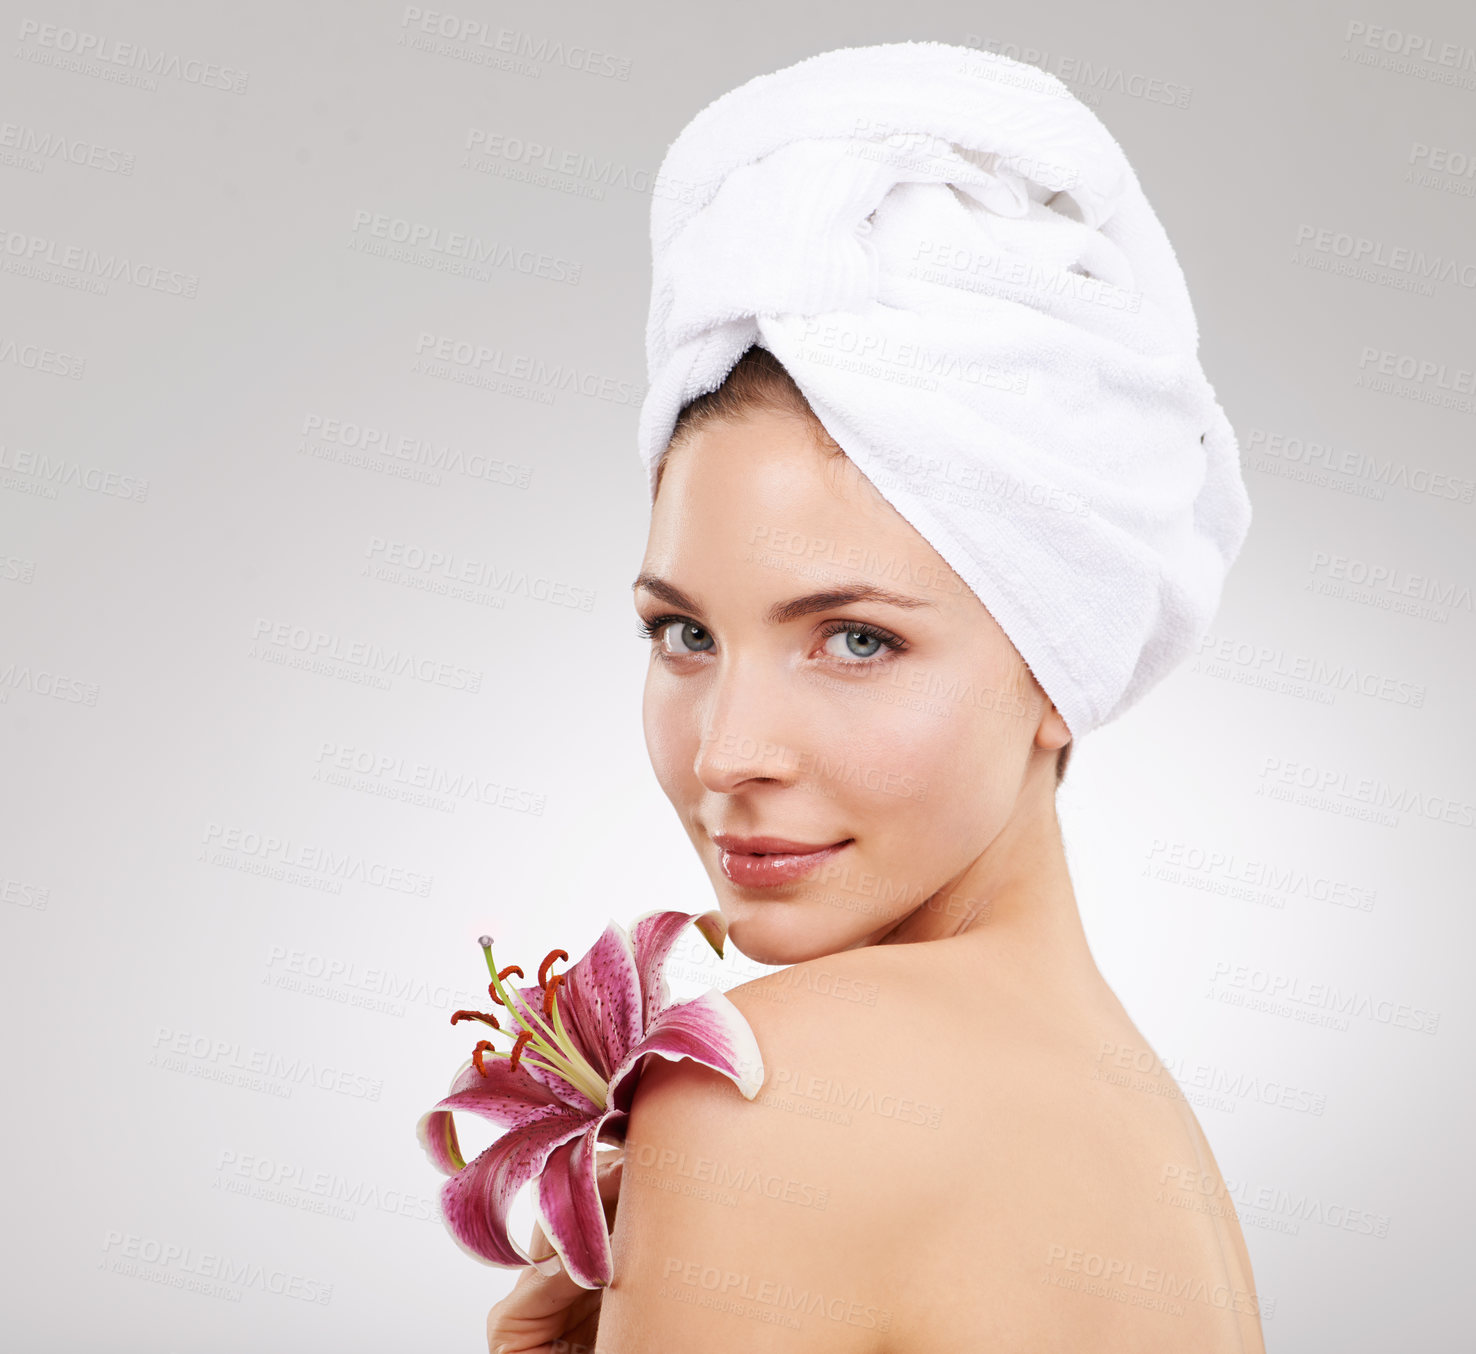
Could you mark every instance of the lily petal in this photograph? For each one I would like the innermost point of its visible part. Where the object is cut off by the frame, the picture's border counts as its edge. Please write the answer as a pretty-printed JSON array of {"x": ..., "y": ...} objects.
[
  {"x": 714, "y": 928},
  {"x": 437, "y": 1133},
  {"x": 652, "y": 936},
  {"x": 567, "y": 1200},
  {"x": 475, "y": 1201},
  {"x": 599, "y": 1001},
  {"x": 506, "y": 1096},
  {"x": 708, "y": 1029}
]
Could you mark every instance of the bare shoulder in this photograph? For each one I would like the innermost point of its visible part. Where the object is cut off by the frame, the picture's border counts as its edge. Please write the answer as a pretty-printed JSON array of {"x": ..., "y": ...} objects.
[
  {"x": 935, "y": 1160},
  {"x": 833, "y": 1028},
  {"x": 1045, "y": 1198},
  {"x": 737, "y": 1214},
  {"x": 981, "y": 1117}
]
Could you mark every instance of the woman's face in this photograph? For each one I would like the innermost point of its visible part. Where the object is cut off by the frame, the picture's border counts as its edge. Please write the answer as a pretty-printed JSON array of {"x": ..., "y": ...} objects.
[{"x": 891, "y": 720}]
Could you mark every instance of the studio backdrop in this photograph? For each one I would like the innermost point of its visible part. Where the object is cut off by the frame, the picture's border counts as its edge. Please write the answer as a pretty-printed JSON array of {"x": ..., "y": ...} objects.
[{"x": 321, "y": 354}]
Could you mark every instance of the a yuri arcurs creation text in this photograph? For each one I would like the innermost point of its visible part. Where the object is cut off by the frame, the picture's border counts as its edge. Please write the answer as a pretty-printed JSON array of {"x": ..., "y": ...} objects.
[{"x": 578, "y": 1041}]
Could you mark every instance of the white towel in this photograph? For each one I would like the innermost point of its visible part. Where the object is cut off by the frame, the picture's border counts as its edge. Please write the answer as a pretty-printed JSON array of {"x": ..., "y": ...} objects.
[{"x": 954, "y": 260}]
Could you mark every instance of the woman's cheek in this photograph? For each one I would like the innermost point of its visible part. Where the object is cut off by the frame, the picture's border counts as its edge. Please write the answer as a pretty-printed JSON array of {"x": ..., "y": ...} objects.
[
  {"x": 895, "y": 761},
  {"x": 666, "y": 735},
  {"x": 959, "y": 771}
]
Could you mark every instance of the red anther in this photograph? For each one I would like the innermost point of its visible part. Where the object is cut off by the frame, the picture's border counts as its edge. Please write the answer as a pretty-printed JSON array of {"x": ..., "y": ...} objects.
[
  {"x": 502, "y": 978},
  {"x": 548, "y": 992},
  {"x": 547, "y": 960},
  {"x": 517, "y": 1048},
  {"x": 476, "y": 1015},
  {"x": 477, "y": 1052}
]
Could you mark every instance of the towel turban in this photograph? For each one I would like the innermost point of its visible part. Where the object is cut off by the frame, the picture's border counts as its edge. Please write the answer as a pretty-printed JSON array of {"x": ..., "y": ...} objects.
[{"x": 952, "y": 257}]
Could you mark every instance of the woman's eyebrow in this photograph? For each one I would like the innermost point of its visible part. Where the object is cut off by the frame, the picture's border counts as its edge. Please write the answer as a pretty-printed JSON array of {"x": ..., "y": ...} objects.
[{"x": 793, "y": 609}]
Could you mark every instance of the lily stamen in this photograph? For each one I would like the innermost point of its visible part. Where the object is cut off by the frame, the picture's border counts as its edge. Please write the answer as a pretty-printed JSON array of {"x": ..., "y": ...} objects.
[
  {"x": 502, "y": 978},
  {"x": 527, "y": 1060},
  {"x": 558, "y": 1022},
  {"x": 486, "y": 1046},
  {"x": 560, "y": 1050},
  {"x": 517, "y": 1048},
  {"x": 558, "y": 1053},
  {"x": 548, "y": 959}
]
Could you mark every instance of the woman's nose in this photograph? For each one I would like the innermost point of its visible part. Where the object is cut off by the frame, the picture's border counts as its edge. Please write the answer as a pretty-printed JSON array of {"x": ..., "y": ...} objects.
[{"x": 745, "y": 734}]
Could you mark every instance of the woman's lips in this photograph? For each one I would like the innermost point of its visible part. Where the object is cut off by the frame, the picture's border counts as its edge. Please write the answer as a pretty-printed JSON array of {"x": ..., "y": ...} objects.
[{"x": 761, "y": 862}]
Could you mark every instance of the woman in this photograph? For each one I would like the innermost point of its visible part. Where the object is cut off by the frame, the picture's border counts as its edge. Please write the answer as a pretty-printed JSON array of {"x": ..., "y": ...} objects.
[{"x": 861, "y": 699}]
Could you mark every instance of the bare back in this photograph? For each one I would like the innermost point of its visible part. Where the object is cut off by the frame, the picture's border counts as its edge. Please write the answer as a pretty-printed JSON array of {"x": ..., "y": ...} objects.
[{"x": 1046, "y": 1184}]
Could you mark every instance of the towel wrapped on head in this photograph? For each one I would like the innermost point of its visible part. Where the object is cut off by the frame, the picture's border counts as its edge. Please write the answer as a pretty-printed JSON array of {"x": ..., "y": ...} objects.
[{"x": 952, "y": 257}]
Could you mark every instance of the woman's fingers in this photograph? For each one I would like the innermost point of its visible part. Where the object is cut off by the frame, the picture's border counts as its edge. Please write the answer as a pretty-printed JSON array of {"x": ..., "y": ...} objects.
[
  {"x": 541, "y": 1310},
  {"x": 537, "y": 1297}
]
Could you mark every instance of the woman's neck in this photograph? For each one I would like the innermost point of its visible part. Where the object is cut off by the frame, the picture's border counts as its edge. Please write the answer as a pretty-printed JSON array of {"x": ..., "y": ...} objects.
[{"x": 1016, "y": 898}]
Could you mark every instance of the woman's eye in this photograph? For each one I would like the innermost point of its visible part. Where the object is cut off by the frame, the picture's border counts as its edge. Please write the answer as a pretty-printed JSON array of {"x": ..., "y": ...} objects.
[
  {"x": 684, "y": 637},
  {"x": 857, "y": 644}
]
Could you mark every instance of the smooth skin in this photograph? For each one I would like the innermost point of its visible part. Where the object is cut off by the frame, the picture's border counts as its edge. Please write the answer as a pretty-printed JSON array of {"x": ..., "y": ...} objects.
[{"x": 962, "y": 1143}]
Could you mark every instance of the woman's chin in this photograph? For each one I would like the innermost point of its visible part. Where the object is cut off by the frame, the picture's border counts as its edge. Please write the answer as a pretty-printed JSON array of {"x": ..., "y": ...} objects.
[{"x": 774, "y": 933}]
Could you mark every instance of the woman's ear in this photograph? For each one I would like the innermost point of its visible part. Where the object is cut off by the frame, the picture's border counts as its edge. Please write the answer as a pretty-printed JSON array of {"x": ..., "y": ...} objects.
[{"x": 1051, "y": 734}]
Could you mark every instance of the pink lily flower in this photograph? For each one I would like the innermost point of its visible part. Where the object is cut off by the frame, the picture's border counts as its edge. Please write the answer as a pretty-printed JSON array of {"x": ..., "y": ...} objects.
[{"x": 568, "y": 1082}]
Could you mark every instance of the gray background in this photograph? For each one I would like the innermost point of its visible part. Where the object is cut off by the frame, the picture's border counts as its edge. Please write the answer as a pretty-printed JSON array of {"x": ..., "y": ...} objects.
[{"x": 205, "y": 1060}]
